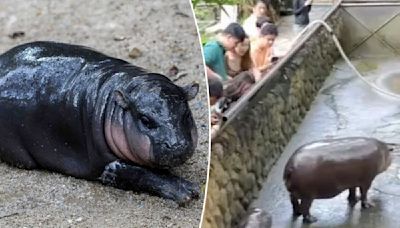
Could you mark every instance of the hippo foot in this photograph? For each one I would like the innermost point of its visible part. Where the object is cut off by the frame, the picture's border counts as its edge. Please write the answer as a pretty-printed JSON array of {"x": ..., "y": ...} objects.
[
  {"x": 366, "y": 204},
  {"x": 309, "y": 219},
  {"x": 109, "y": 174},
  {"x": 156, "y": 182},
  {"x": 180, "y": 190}
]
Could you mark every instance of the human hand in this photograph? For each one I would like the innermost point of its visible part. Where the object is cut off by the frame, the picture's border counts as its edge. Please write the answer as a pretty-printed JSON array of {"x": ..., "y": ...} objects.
[
  {"x": 257, "y": 75},
  {"x": 308, "y": 2}
]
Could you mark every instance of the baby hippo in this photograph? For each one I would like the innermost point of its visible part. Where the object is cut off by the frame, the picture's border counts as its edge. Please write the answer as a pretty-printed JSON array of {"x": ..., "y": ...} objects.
[
  {"x": 72, "y": 110},
  {"x": 324, "y": 169}
]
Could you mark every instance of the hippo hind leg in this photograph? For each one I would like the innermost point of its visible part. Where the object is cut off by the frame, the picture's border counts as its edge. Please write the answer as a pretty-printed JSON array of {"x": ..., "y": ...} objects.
[
  {"x": 18, "y": 157},
  {"x": 295, "y": 204},
  {"x": 305, "y": 210},
  {"x": 352, "y": 198}
]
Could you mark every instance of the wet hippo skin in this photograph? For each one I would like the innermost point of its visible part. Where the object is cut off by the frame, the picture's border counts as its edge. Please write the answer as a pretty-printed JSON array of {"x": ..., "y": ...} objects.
[
  {"x": 323, "y": 169},
  {"x": 72, "y": 110}
]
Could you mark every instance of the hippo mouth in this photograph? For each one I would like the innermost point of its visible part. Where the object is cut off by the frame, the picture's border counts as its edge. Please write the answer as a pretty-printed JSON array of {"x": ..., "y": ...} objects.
[{"x": 125, "y": 140}]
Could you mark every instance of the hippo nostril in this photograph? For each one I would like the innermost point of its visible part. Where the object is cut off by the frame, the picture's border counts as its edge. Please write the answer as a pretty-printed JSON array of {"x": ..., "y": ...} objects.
[{"x": 175, "y": 146}]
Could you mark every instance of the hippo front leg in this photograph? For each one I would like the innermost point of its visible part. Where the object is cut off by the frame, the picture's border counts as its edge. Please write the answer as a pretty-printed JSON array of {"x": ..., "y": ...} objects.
[
  {"x": 352, "y": 198},
  {"x": 364, "y": 201},
  {"x": 305, "y": 210},
  {"x": 161, "y": 183}
]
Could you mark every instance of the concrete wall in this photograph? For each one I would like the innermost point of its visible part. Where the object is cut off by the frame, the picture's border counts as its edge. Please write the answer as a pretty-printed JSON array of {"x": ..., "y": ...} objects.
[
  {"x": 371, "y": 29},
  {"x": 253, "y": 139}
]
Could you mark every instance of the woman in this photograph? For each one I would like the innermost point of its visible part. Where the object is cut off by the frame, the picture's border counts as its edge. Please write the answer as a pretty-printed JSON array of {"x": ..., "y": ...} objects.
[
  {"x": 261, "y": 52},
  {"x": 238, "y": 60},
  {"x": 260, "y": 9}
]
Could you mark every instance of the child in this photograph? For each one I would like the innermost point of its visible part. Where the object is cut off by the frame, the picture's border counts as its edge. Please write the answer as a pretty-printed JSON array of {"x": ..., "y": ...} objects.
[{"x": 215, "y": 90}]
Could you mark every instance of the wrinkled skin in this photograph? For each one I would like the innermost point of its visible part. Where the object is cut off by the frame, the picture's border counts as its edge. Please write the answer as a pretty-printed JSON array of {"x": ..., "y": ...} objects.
[
  {"x": 324, "y": 169},
  {"x": 72, "y": 110}
]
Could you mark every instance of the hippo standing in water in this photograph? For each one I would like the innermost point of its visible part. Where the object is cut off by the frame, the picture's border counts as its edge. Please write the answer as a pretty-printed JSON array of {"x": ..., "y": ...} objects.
[
  {"x": 324, "y": 169},
  {"x": 72, "y": 110}
]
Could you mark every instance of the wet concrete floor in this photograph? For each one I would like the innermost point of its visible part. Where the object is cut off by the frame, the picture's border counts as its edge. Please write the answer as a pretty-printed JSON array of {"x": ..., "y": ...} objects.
[{"x": 346, "y": 106}]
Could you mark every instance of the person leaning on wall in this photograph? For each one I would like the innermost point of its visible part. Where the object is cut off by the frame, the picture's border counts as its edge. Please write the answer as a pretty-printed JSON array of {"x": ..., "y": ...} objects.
[
  {"x": 215, "y": 91},
  {"x": 238, "y": 60},
  {"x": 214, "y": 51},
  {"x": 261, "y": 52}
]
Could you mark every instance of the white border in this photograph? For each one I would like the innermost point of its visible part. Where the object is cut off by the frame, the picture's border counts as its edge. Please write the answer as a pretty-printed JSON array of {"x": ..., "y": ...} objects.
[{"x": 209, "y": 115}]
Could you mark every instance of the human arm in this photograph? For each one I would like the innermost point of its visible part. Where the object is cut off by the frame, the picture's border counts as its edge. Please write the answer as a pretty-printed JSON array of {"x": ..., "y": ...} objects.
[
  {"x": 210, "y": 73},
  {"x": 267, "y": 60},
  {"x": 210, "y": 58}
]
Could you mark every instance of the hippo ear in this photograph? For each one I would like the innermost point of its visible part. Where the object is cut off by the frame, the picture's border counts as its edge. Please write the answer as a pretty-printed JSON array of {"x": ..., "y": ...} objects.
[
  {"x": 191, "y": 90},
  {"x": 121, "y": 99}
]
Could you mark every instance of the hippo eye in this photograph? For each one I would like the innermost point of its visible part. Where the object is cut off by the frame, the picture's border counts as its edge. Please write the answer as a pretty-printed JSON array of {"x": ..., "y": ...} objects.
[{"x": 147, "y": 122}]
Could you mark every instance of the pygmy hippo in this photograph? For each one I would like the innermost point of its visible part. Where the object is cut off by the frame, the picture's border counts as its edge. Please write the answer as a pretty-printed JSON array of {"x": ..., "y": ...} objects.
[
  {"x": 323, "y": 169},
  {"x": 73, "y": 110}
]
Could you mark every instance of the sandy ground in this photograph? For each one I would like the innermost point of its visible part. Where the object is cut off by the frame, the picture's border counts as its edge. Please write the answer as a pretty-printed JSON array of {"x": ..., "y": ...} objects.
[{"x": 165, "y": 33}]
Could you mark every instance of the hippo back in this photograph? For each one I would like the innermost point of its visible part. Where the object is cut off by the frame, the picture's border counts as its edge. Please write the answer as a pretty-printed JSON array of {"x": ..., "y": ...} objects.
[{"x": 331, "y": 166}]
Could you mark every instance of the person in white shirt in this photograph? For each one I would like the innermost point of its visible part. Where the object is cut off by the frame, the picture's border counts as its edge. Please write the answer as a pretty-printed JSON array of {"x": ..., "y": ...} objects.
[{"x": 249, "y": 25}]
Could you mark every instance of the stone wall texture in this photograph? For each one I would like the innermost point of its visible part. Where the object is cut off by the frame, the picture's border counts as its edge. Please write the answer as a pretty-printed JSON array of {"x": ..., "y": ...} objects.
[{"x": 248, "y": 146}]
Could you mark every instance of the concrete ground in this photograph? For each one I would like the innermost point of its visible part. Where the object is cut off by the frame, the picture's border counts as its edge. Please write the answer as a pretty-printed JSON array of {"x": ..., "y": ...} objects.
[
  {"x": 165, "y": 34},
  {"x": 346, "y": 106},
  {"x": 287, "y": 30}
]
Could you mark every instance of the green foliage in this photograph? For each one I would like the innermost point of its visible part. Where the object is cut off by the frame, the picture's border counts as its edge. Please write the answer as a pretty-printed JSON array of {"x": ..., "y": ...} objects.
[
  {"x": 220, "y": 2},
  {"x": 206, "y": 37},
  {"x": 205, "y": 15}
]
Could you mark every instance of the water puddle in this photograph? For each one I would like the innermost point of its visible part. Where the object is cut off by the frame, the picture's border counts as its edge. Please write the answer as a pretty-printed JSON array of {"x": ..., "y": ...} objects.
[{"x": 390, "y": 82}]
